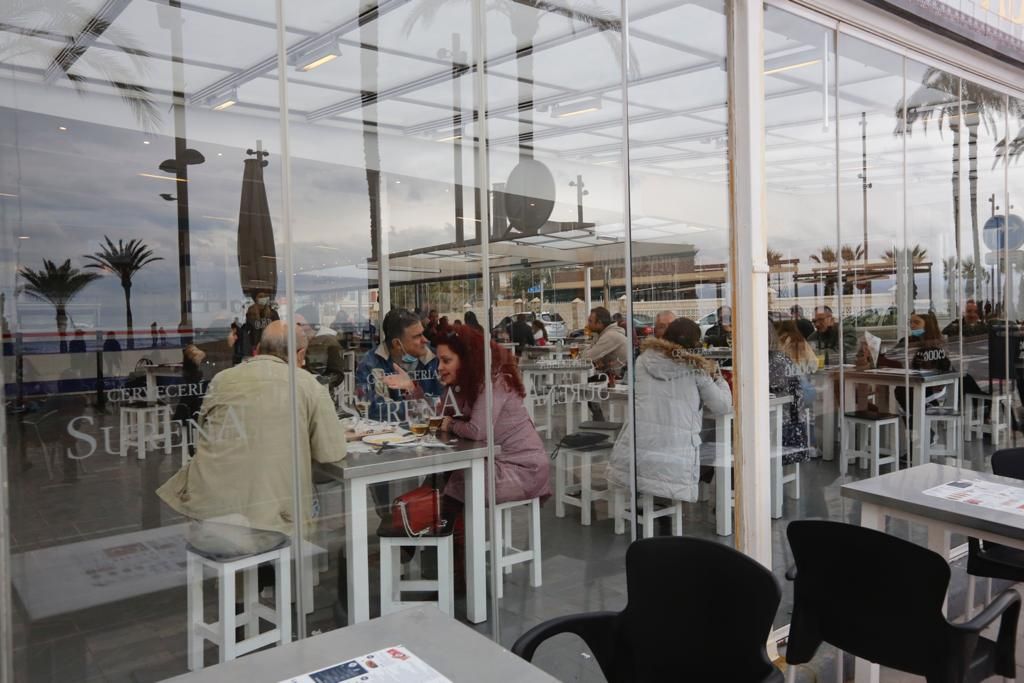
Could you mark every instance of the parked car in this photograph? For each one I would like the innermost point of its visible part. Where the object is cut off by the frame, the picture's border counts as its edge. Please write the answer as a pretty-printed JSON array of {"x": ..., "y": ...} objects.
[
  {"x": 881, "y": 322},
  {"x": 706, "y": 323},
  {"x": 554, "y": 323},
  {"x": 643, "y": 325}
]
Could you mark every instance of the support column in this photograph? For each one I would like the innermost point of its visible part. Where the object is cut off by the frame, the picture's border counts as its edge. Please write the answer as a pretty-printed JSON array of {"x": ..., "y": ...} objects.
[{"x": 749, "y": 279}]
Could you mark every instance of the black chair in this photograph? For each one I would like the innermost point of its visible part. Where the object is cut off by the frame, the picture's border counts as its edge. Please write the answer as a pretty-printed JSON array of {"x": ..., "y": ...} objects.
[
  {"x": 992, "y": 560},
  {"x": 880, "y": 598},
  {"x": 697, "y": 611}
]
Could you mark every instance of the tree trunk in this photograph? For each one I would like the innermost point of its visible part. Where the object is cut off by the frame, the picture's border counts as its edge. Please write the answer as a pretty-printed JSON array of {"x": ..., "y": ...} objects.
[
  {"x": 972, "y": 178},
  {"x": 128, "y": 313},
  {"x": 62, "y": 326}
]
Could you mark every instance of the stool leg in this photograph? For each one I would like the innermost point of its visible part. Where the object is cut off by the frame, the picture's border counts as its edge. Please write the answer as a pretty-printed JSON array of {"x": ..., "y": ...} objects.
[
  {"x": 677, "y": 519},
  {"x": 844, "y": 447},
  {"x": 387, "y": 580},
  {"x": 585, "y": 492},
  {"x": 648, "y": 515},
  {"x": 535, "y": 563},
  {"x": 498, "y": 553},
  {"x": 282, "y": 595},
  {"x": 124, "y": 425},
  {"x": 250, "y": 588},
  {"x": 194, "y": 577},
  {"x": 445, "y": 577},
  {"x": 969, "y": 418},
  {"x": 619, "y": 510},
  {"x": 560, "y": 472},
  {"x": 227, "y": 620},
  {"x": 506, "y": 522},
  {"x": 969, "y": 608},
  {"x": 876, "y": 438},
  {"x": 167, "y": 430}
]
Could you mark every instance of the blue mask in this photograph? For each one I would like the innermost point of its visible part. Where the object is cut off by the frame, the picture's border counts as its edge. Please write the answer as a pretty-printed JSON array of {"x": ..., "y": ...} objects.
[
  {"x": 917, "y": 333},
  {"x": 407, "y": 358}
]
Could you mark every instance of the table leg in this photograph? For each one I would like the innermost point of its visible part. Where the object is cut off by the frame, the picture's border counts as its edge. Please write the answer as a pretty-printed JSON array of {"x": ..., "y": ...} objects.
[
  {"x": 723, "y": 475},
  {"x": 919, "y": 428},
  {"x": 871, "y": 517},
  {"x": 151, "y": 394},
  {"x": 357, "y": 552},
  {"x": 476, "y": 573},
  {"x": 827, "y": 438},
  {"x": 776, "y": 464}
]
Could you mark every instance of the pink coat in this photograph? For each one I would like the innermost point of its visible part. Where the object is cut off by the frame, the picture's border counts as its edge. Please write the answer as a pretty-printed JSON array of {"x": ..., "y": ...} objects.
[{"x": 522, "y": 464}]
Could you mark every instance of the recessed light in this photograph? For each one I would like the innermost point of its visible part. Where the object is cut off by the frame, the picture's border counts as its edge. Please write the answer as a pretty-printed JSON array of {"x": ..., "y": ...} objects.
[
  {"x": 145, "y": 142},
  {"x": 62, "y": 128},
  {"x": 220, "y": 154},
  {"x": 398, "y": 182},
  {"x": 24, "y": 237}
]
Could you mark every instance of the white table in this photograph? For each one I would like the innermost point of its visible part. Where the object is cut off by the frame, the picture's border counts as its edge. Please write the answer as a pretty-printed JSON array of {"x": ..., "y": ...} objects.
[
  {"x": 537, "y": 374},
  {"x": 720, "y": 457},
  {"x": 901, "y": 495},
  {"x": 359, "y": 470},
  {"x": 918, "y": 382},
  {"x": 452, "y": 649},
  {"x": 159, "y": 370}
]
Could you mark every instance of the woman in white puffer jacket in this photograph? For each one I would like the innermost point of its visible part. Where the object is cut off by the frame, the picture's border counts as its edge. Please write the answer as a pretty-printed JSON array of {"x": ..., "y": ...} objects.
[{"x": 673, "y": 387}]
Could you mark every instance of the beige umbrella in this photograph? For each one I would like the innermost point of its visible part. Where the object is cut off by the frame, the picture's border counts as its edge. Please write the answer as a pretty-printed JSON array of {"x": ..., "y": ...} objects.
[{"x": 257, "y": 257}]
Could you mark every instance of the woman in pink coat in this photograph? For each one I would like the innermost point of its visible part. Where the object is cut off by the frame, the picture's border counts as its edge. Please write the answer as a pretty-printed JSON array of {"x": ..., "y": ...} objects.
[{"x": 522, "y": 465}]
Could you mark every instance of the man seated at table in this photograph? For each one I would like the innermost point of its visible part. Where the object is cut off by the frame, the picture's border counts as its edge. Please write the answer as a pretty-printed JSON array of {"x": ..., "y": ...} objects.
[
  {"x": 971, "y": 325},
  {"x": 609, "y": 353},
  {"x": 402, "y": 368},
  {"x": 825, "y": 338},
  {"x": 661, "y": 323},
  {"x": 720, "y": 334},
  {"x": 238, "y": 489}
]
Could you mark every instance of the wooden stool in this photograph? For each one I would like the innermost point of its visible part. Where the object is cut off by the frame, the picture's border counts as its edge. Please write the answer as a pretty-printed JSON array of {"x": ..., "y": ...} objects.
[
  {"x": 649, "y": 512},
  {"x": 873, "y": 424},
  {"x": 136, "y": 431},
  {"x": 392, "y": 585},
  {"x": 508, "y": 555},
  {"x": 223, "y": 631}
]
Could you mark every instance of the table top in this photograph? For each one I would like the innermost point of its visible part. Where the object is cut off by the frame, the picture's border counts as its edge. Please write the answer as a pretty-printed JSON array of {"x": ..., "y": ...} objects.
[
  {"x": 396, "y": 459},
  {"x": 904, "y": 491},
  {"x": 555, "y": 364},
  {"x": 452, "y": 649},
  {"x": 886, "y": 375}
]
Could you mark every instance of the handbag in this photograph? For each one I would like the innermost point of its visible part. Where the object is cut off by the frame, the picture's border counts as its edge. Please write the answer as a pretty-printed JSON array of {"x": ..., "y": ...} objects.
[{"x": 418, "y": 512}]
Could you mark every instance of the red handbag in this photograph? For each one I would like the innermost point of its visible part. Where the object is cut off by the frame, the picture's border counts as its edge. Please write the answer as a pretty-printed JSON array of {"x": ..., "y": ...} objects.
[{"x": 418, "y": 512}]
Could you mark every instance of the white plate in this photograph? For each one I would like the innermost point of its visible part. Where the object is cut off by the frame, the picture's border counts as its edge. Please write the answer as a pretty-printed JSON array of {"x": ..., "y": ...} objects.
[{"x": 388, "y": 439}]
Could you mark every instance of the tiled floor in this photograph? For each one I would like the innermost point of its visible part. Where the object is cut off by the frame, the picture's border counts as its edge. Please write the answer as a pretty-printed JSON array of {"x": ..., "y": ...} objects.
[{"x": 142, "y": 638}]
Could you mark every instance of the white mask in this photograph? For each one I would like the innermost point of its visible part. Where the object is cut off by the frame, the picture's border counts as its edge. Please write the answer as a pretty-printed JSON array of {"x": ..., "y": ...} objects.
[{"x": 263, "y": 300}]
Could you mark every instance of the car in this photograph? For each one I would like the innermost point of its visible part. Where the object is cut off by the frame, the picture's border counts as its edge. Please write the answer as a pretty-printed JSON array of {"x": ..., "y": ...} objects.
[
  {"x": 554, "y": 323},
  {"x": 643, "y": 325},
  {"x": 881, "y": 322},
  {"x": 707, "y": 322}
]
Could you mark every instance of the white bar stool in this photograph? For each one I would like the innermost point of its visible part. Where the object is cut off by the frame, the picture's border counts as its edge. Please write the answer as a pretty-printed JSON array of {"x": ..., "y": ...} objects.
[
  {"x": 582, "y": 495},
  {"x": 649, "y": 511},
  {"x": 951, "y": 445},
  {"x": 508, "y": 554},
  {"x": 392, "y": 585},
  {"x": 999, "y": 416},
  {"x": 871, "y": 449},
  {"x": 223, "y": 631},
  {"x": 142, "y": 423}
]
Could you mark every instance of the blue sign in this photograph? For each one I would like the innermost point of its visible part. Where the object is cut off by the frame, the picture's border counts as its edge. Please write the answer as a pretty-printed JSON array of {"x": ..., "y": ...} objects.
[
  {"x": 1000, "y": 234},
  {"x": 533, "y": 290}
]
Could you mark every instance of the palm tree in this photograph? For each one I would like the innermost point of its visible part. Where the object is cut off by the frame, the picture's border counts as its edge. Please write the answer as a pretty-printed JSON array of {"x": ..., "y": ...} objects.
[
  {"x": 56, "y": 285},
  {"x": 123, "y": 260},
  {"x": 918, "y": 255},
  {"x": 850, "y": 253},
  {"x": 950, "y": 100},
  {"x": 827, "y": 256},
  {"x": 30, "y": 22}
]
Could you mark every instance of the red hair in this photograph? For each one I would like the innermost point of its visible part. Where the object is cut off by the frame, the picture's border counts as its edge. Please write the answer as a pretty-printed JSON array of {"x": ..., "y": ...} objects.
[{"x": 468, "y": 344}]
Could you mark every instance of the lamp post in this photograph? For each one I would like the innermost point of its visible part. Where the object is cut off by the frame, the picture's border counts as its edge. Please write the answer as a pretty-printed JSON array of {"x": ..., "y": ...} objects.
[{"x": 580, "y": 194}]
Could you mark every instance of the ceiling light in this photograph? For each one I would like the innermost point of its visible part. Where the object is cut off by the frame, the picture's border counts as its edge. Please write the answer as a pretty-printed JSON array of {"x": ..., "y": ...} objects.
[
  {"x": 145, "y": 142},
  {"x": 24, "y": 237},
  {"x": 565, "y": 110},
  {"x": 221, "y": 102},
  {"x": 790, "y": 67},
  {"x": 450, "y": 138},
  {"x": 315, "y": 55},
  {"x": 62, "y": 128},
  {"x": 4, "y": 194}
]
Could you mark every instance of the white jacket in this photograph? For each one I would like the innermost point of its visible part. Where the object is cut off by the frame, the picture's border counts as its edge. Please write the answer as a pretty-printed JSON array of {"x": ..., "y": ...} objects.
[{"x": 673, "y": 386}]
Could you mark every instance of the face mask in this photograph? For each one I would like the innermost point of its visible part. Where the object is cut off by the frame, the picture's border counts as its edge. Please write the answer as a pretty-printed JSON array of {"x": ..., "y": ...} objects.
[
  {"x": 407, "y": 358},
  {"x": 917, "y": 333},
  {"x": 263, "y": 300}
]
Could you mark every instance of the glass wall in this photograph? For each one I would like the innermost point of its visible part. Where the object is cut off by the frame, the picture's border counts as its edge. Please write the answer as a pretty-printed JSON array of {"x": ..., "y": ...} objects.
[{"x": 269, "y": 267}]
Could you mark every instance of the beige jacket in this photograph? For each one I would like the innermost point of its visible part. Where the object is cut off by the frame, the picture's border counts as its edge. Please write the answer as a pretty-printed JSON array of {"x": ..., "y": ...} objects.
[{"x": 243, "y": 462}]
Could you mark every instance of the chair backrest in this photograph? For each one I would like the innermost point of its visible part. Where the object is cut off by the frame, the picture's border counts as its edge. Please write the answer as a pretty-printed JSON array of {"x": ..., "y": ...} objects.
[
  {"x": 1009, "y": 462},
  {"x": 870, "y": 594},
  {"x": 698, "y": 608}
]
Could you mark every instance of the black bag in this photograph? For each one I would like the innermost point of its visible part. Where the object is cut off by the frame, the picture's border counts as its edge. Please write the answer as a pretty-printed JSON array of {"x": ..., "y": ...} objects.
[{"x": 579, "y": 440}]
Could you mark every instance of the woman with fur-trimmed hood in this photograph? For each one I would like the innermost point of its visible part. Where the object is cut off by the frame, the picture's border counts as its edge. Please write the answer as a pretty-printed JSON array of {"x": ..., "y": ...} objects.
[{"x": 673, "y": 387}]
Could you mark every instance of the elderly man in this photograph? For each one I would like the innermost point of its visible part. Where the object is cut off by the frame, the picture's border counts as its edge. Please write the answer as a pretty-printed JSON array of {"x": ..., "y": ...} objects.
[
  {"x": 826, "y": 336},
  {"x": 662, "y": 321},
  {"x": 239, "y": 488},
  {"x": 610, "y": 352}
]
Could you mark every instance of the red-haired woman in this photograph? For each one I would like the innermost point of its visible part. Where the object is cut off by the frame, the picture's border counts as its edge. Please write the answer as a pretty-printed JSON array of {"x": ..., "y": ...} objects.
[{"x": 521, "y": 467}]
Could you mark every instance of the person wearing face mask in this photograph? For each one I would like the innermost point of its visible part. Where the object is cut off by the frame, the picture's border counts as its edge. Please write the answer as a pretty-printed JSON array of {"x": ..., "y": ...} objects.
[
  {"x": 402, "y": 368},
  {"x": 257, "y": 318},
  {"x": 925, "y": 351}
]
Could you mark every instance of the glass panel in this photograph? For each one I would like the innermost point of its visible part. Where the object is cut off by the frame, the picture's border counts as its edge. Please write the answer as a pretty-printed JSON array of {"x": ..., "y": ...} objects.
[
  {"x": 1015, "y": 200},
  {"x": 806, "y": 266},
  {"x": 141, "y": 244}
]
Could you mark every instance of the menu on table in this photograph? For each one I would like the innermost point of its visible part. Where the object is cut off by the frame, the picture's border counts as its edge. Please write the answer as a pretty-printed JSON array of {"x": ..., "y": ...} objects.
[
  {"x": 392, "y": 665},
  {"x": 984, "y": 494}
]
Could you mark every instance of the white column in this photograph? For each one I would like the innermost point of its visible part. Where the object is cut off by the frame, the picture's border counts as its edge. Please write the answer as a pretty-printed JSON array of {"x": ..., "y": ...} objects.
[{"x": 751, "y": 444}]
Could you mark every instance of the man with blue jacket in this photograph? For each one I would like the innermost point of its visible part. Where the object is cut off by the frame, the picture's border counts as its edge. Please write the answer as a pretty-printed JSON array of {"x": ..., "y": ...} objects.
[{"x": 402, "y": 368}]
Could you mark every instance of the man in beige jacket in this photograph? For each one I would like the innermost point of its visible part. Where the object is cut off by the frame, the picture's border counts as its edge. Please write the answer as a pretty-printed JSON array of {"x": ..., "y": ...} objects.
[{"x": 239, "y": 485}]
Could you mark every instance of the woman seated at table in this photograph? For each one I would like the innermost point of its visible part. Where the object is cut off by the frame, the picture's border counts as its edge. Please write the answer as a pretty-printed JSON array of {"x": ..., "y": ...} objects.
[
  {"x": 673, "y": 386},
  {"x": 540, "y": 333},
  {"x": 785, "y": 378},
  {"x": 521, "y": 467}
]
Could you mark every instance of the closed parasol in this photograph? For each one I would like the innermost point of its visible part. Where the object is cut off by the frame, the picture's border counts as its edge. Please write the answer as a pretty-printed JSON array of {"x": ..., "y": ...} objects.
[{"x": 257, "y": 258}]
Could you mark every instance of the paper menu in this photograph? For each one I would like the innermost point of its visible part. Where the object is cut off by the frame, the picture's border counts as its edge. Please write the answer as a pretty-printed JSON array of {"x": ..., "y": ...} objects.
[
  {"x": 391, "y": 665},
  {"x": 983, "y": 494},
  {"x": 874, "y": 346}
]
